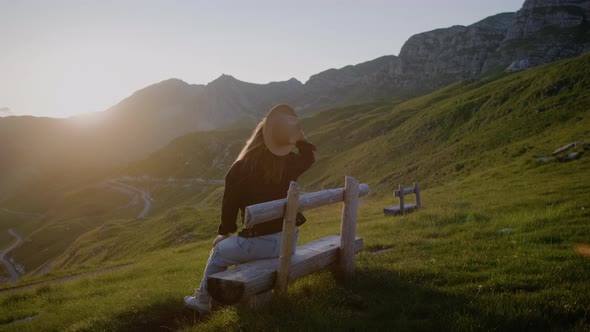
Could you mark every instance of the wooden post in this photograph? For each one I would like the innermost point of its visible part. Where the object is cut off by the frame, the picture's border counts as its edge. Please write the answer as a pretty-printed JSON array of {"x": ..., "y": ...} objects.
[
  {"x": 401, "y": 199},
  {"x": 348, "y": 227},
  {"x": 417, "y": 193},
  {"x": 284, "y": 267}
]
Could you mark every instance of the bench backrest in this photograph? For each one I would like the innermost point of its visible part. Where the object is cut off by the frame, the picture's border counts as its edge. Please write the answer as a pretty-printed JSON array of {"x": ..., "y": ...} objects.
[
  {"x": 401, "y": 192},
  {"x": 288, "y": 207},
  {"x": 262, "y": 212}
]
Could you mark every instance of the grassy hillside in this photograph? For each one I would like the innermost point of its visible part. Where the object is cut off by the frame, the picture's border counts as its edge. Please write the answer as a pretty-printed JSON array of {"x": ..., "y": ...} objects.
[
  {"x": 196, "y": 155},
  {"x": 121, "y": 240},
  {"x": 448, "y": 266},
  {"x": 74, "y": 213},
  {"x": 465, "y": 127},
  {"x": 493, "y": 249},
  {"x": 21, "y": 223}
]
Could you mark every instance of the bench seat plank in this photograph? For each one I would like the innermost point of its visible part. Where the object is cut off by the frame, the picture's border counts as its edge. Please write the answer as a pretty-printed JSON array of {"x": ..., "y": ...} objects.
[
  {"x": 251, "y": 278},
  {"x": 394, "y": 210}
]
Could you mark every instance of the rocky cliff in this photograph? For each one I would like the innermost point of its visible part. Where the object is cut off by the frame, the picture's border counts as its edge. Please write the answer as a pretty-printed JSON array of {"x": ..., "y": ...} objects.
[
  {"x": 544, "y": 31},
  {"x": 435, "y": 58},
  {"x": 541, "y": 31},
  {"x": 536, "y": 15}
]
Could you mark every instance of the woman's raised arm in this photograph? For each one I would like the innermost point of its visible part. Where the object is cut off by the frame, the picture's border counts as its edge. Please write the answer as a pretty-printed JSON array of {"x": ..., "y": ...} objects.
[{"x": 304, "y": 159}]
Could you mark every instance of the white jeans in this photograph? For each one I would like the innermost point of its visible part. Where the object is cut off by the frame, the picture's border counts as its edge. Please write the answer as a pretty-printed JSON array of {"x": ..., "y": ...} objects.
[{"x": 236, "y": 250}]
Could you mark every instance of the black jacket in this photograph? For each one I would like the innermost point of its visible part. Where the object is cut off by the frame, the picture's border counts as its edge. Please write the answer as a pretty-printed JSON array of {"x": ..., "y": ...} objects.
[{"x": 243, "y": 189}]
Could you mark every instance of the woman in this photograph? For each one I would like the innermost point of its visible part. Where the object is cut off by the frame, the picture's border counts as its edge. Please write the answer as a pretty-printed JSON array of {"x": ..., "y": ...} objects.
[{"x": 262, "y": 172}]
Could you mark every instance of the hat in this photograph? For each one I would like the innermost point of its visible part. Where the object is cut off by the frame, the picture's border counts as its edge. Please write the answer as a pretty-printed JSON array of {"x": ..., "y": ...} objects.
[{"x": 281, "y": 130}]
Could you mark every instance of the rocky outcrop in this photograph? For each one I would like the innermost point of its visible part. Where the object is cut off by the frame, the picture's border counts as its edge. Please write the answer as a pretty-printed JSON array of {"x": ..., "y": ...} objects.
[
  {"x": 541, "y": 31},
  {"x": 364, "y": 81},
  {"x": 544, "y": 31},
  {"x": 435, "y": 58},
  {"x": 537, "y": 15}
]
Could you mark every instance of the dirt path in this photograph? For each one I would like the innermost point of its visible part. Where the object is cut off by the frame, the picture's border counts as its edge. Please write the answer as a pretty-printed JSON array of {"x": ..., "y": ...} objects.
[
  {"x": 129, "y": 189},
  {"x": 11, "y": 270},
  {"x": 64, "y": 279}
]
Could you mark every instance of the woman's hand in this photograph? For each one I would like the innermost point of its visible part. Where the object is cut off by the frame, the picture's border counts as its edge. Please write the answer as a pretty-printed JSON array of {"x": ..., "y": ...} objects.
[
  {"x": 304, "y": 144},
  {"x": 219, "y": 238}
]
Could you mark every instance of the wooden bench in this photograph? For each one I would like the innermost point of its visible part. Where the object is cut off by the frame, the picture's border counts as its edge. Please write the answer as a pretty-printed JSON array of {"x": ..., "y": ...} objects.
[
  {"x": 403, "y": 207},
  {"x": 261, "y": 277}
]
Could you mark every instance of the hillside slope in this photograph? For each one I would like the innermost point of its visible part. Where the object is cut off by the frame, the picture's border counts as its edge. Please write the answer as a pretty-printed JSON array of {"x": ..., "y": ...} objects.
[
  {"x": 463, "y": 128},
  {"x": 468, "y": 126},
  {"x": 466, "y": 129}
]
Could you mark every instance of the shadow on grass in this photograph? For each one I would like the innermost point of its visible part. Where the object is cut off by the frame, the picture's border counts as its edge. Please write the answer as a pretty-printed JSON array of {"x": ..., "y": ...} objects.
[
  {"x": 377, "y": 300},
  {"x": 380, "y": 299},
  {"x": 403, "y": 302},
  {"x": 167, "y": 315},
  {"x": 400, "y": 302}
]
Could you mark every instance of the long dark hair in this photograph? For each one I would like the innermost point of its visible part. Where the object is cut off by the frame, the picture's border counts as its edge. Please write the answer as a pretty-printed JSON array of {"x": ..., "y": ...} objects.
[{"x": 257, "y": 158}]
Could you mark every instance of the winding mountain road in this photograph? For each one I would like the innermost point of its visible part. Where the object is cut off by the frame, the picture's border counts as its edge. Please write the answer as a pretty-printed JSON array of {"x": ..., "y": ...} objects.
[
  {"x": 133, "y": 191},
  {"x": 145, "y": 196},
  {"x": 13, "y": 274}
]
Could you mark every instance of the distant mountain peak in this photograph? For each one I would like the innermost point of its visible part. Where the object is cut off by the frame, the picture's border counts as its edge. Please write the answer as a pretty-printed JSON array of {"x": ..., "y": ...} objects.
[
  {"x": 224, "y": 78},
  {"x": 501, "y": 21},
  {"x": 290, "y": 82},
  {"x": 173, "y": 81},
  {"x": 223, "y": 81},
  {"x": 5, "y": 111}
]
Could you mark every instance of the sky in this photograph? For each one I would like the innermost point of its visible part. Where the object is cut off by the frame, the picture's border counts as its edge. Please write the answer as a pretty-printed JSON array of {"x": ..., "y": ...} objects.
[{"x": 60, "y": 58}]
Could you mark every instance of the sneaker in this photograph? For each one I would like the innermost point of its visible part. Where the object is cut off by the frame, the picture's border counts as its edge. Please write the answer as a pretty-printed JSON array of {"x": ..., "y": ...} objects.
[{"x": 198, "y": 302}]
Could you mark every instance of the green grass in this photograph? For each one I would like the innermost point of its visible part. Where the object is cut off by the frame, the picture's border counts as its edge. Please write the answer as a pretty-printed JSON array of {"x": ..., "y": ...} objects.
[
  {"x": 448, "y": 267},
  {"x": 178, "y": 194},
  {"x": 199, "y": 154},
  {"x": 74, "y": 213}
]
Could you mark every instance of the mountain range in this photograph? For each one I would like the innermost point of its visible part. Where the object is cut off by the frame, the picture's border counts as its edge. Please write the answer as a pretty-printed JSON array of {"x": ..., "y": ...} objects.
[{"x": 36, "y": 148}]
